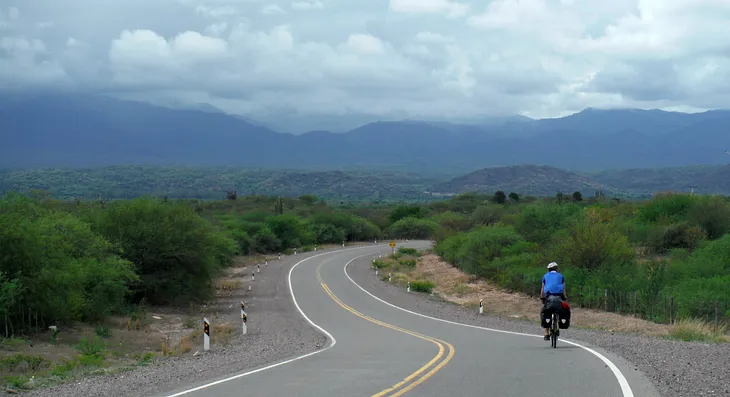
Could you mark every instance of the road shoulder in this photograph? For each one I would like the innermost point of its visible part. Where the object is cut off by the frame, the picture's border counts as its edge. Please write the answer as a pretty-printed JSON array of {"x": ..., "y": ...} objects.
[{"x": 653, "y": 366}]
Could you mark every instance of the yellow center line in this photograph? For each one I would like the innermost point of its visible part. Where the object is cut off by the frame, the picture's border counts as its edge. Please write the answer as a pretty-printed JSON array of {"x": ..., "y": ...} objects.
[{"x": 410, "y": 377}]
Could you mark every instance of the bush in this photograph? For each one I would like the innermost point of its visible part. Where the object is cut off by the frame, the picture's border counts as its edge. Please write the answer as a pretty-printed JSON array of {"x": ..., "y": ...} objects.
[
  {"x": 176, "y": 253},
  {"x": 591, "y": 244},
  {"x": 407, "y": 262},
  {"x": 538, "y": 222},
  {"x": 712, "y": 214},
  {"x": 680, "y": 235},
  {"x": 667, "y": 208},
  {"x": 408, "y": 251},
  {"x": 422, "y": 286},
  {"x": 413, "y": 228},
  {"x": 54, "y": 264},
  {"x": 475, "y": 252}
]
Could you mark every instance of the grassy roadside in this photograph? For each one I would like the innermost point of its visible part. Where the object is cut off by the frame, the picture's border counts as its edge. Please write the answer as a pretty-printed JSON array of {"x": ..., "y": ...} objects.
[
  {"x": 428, "y": 273},
  {"x": 144, "y": 336}
]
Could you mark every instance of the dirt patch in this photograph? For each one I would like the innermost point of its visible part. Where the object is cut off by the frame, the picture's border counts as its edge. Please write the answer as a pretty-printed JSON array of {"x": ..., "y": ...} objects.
[{"x": 455, "y": 286}]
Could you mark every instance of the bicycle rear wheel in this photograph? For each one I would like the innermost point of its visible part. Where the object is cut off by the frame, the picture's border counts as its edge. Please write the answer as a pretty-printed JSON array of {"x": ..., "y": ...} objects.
[{"x": 554, "y": 331}]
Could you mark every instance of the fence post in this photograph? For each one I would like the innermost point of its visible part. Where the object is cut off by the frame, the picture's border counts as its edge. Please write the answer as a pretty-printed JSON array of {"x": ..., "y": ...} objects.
[
  {"x": 717, "y": 314},
  {"x": 671, "y": 310},
  {"x": 605, "y": 300},
  {"x": 665, "y": 309},
  {"x": 635, "y": 301},
  {"x": 580, "y": 302}
]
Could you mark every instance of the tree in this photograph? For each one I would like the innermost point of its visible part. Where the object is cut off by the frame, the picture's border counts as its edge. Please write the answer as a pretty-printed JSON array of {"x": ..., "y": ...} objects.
[
  {"x": 175, "y": 252},
  {"x": 514, "y": 197},
  {"x": 406, "y": 211},
  {"x": 577, "y": 196},
  {"x": 500, "y": 197}
]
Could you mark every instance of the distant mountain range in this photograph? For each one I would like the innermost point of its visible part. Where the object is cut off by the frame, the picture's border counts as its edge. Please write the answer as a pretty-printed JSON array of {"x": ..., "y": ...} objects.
[{"x": 59, "y": 130}]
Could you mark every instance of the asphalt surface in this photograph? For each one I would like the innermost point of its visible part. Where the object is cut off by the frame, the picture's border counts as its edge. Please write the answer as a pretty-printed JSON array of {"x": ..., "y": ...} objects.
[{"x": 380, "y": 350}]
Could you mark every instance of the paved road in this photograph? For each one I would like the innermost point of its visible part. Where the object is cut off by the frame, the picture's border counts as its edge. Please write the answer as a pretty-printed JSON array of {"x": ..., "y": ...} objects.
[{"x": 380, "y": 350}]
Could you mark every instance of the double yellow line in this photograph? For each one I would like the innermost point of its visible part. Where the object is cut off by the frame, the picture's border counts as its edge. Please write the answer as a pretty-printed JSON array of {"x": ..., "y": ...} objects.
[{"x": 408, "y": 383}]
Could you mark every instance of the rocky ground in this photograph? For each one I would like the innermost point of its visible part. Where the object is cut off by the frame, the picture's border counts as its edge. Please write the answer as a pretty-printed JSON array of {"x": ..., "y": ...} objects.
[{"x": 677, "y": 369}]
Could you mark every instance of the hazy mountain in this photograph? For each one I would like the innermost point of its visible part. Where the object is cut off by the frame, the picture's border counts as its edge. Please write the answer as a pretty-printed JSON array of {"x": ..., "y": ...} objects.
[
  {"x": 523, "y": 179},
  {"x": 56, "y": 130}
]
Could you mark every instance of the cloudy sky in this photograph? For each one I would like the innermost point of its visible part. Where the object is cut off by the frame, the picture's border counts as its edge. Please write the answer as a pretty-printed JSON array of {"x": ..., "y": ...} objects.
[{"x": 540, "y": 58}]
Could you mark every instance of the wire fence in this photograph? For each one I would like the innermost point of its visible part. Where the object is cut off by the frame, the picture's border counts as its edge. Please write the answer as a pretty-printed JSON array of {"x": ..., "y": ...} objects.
[{"x": 659, "y": 309}]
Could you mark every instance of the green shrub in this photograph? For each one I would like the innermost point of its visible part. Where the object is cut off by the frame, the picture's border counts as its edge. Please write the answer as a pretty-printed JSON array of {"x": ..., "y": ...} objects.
[
  {"x": 538, "y": 222},
  {"x": 176, "y": 253},
  {"x": 408, "y": 251},
  {"x": 422, "y": 286},
  {"x": 408, "y": 262},
  {"x": 413, "y": 228}
]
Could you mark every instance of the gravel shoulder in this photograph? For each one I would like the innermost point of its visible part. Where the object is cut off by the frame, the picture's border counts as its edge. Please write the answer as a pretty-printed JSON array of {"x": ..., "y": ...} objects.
[
  {"x": 276, "y": 331},
  {"x": 677, "y": 369}
]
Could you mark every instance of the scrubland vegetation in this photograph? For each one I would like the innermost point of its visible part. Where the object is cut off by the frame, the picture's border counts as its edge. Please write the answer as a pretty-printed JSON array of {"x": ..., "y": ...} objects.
[{"x": 666, "y": 259}]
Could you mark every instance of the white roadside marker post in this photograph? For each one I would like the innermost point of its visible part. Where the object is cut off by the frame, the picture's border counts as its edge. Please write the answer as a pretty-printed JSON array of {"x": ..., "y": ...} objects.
[
  {"x": 409, "y": 287},
  {"x": 244, "y": 318},
  {"x": 390, "y": 277},
  {"x": 481, "y": 307},
  {"x": 258, "y": 268},
  {"x": 206, "y": 334}
]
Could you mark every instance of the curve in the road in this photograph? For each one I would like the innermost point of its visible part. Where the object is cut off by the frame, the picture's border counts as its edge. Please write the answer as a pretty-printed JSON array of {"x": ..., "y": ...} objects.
[
  {"x": 408, "y": 383},
  {"x": 623, "y": 382},
  {"x": 332, "y": 339},
  {"x": 439, "y": 343}
]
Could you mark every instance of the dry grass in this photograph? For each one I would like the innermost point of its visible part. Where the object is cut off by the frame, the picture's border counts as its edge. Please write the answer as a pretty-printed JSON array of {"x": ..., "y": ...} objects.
[
  {"x": 455, "y": 286},
  {"x": 229, "y": 285},
  {"x": 695, "y": 330},
  {"x": 186, "y": 344},
  {"x": 223, "y": 333}
]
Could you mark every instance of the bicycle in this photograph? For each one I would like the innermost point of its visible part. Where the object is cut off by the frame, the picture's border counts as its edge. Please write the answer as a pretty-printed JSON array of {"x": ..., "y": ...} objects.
[
  {"x": 554, "y": 326},
  {"x": 554, "y": 331}
]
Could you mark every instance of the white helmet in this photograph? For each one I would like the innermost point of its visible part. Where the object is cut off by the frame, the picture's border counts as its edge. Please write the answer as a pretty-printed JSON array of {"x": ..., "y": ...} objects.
[{"x": 552, "y": 265}]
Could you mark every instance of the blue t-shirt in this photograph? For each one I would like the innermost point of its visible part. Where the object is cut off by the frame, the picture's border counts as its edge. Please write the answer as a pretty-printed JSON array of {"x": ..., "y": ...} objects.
[{"x": 553, "y": 282}]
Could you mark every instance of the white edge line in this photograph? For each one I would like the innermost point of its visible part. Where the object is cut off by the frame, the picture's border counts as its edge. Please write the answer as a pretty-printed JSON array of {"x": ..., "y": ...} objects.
[
  {"x": 625, "y": 388},
  {"x": 291, "y": 291}
]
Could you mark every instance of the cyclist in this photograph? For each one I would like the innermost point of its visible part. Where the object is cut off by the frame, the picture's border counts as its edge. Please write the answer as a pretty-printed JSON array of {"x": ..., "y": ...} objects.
[{"x": 553, "y": 283}]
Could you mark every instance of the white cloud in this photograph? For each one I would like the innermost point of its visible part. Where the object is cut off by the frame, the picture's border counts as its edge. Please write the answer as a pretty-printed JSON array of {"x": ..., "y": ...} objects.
[
  {"x": 407, "y": 57},
  {"x": 448, "y": 7},
  {"x": 307, "y": 5},
  {"x": 217, "y": 12},
  {"x": 13, "y": 13},
  {"x": 429, "y": 37},
  {"x": 365, "y": 44},
  {"x": 272, "y": 9}
]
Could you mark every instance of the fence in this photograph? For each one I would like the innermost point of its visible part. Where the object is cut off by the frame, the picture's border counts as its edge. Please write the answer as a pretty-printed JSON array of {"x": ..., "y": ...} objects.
[{"x": 659, "y": 309}]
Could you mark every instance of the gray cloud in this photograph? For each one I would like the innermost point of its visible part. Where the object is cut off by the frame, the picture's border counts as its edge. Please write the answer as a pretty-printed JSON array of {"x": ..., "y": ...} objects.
[{"x": 382, "y": 57}]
